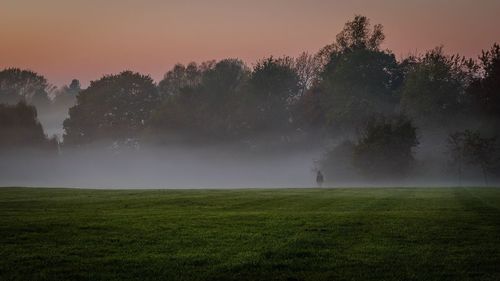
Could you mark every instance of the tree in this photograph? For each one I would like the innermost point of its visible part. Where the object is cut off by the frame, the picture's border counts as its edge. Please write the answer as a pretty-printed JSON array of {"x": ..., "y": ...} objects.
[
  {"x": 180, "y": 77},
  {"x": 308, "y": 112},
  {"x": 434, "y": 90},
  {"x": 17, "y": 85},
  {"x": 20, "y": 128},
  {"x": 356, "y": 85},
  {"x": 358, "y": 35},
  {"x": 222, "y": 95},
  {"x": 208, "y": 104},
  {"x": 177, "y": 113},
  {"x": 481, "y": 151},
  {"x": 274, "y": 86},
  {"x": 485, "y": 90},
  {"x": 472, "y": 148},
  {"x": 385, "y": 147},
  {"x": 358, "y": 79},
  {"x": 114, "y": 107},
  {"x": 307, "y": 68}
]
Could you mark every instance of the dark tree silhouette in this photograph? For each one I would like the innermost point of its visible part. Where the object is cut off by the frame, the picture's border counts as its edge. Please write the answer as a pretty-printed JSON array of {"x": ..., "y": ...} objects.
[
  {"x": 203, "y": 100},
  {"x": 434, "y": 90},
  {"x": 180, "y": 77},
  {"x": 19, "y": 128},
  {"x": 358, "y": 79},
  {"x": 481, "y": 151},
  {"x": 385, "y": 147},
  {"x": 308, "y": 113},
  {"x": 485, "y": 90},
  {"x": 308, "y": 69},
  {"x": 356, "y": 85},
  {"x": 358, "y": 35},
  {"x": 474, "y": 149},
  {"x": 114, "y": 107},
  {"x": 274, "y": 86},
  {"x": 17, "y": 85}
]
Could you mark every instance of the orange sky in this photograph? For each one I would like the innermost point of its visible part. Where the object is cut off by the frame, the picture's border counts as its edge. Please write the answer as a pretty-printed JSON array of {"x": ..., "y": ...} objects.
[{"x": 84, "y": 39}]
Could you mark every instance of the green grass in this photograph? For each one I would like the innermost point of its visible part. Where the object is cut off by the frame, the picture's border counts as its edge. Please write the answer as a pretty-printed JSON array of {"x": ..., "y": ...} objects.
[{"x": 291, "y": 234}]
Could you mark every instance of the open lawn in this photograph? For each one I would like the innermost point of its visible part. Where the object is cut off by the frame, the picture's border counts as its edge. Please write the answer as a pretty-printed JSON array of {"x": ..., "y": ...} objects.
[{"x": 254, "y": 234}]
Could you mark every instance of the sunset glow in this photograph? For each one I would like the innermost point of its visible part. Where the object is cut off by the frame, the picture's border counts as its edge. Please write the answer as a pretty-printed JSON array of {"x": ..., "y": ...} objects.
[{"x": 85, "y": 39}]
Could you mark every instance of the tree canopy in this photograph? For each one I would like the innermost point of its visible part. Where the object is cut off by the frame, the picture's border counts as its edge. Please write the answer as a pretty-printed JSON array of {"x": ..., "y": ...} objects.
[
  {"x": 385, "y": 147},
  {"x": 20, "y": 128},
  {"x": 434, "y": 89},
  {"x": 114, "y": 107},
  {"x": 358, "y": 79},
  {"x": 17, "y": 85},
  {"x": 485, "y": 90}
]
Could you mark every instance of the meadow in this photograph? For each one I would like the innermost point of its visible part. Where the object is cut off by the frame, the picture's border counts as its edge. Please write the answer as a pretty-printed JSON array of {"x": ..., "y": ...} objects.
[{"x": 250, "y": 234}]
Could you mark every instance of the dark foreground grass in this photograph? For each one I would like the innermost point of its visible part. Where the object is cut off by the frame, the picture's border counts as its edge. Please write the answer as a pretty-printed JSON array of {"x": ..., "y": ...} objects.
[{"x": 295, "y": 234}]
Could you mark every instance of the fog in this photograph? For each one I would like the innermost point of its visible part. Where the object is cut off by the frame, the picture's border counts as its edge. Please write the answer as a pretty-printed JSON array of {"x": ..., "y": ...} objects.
[
  {"x": 197, "y": 166},
  {"x": 268, "y": 162},
  {"x": 154, "y": 167},
  {"x": 52, "y": 121}
]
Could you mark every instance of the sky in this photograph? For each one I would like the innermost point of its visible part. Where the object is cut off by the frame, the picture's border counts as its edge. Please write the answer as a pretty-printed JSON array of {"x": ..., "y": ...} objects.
[{"x": 85, "y": 39}]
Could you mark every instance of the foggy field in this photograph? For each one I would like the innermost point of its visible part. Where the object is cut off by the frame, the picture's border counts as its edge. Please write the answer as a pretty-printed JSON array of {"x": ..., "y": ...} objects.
[{"x": 250, "y": 234}]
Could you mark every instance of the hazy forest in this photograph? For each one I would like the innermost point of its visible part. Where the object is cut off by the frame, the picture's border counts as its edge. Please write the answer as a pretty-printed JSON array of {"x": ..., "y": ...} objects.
[{"x": 353, "y": 110}]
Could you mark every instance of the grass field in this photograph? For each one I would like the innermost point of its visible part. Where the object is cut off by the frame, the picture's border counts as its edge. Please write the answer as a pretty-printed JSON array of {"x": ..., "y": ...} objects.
[{"x": 289, "y": 234}]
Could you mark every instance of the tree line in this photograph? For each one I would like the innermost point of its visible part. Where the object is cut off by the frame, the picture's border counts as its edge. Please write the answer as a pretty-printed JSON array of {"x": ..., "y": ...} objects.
[{"x": 352, "y": 89}]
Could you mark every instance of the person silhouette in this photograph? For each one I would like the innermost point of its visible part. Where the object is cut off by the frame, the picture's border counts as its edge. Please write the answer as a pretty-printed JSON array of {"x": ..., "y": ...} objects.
[{"x": 319, "y": 178}]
